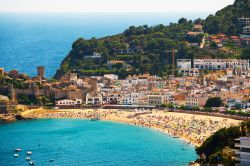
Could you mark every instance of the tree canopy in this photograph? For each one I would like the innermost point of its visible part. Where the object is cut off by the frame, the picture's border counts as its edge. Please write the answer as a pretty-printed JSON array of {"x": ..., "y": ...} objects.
[{"x": 213, "y": 102}]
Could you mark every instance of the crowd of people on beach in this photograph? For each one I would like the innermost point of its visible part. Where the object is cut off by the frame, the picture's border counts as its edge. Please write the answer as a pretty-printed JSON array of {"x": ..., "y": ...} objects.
[{"x": 194, "y": 129}]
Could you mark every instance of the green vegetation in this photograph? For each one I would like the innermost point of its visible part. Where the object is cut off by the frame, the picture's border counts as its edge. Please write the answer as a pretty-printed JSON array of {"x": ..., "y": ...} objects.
[
  {"x": 140, "y": 50},
  {"x": 226, "y": 20},
  {"x": 239, "y": 113},
  {"x": 17, "y": 83},
  {"x": 213, "y": 102},
  {"x": 31, "y": 100},
  {"x": 218, "y": 147}
]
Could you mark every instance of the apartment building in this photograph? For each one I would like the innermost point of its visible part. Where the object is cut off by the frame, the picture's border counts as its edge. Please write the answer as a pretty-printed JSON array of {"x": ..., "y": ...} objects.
[
  {"x": 244, "y": 21},
  {"x": 195, "y": 99},
  {"x": 184, "y": 63},
  {"x": 94, "y": 99},
  {"x": 220, "y": 64}
]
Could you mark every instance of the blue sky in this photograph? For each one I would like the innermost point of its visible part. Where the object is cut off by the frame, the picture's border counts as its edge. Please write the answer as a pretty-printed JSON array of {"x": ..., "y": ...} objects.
[{"x": 112, "y": 5}]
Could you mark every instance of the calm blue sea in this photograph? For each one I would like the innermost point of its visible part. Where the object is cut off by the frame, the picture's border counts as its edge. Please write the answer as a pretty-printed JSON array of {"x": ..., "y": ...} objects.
[
  {"x": 83, "y": 142},
  {"x": 31, "y": 39}
]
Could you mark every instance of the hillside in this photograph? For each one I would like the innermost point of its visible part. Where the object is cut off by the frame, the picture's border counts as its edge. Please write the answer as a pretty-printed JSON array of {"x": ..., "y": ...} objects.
[
  {"x": 227, "y": 20},
  {"x": 145, "y": 49}
]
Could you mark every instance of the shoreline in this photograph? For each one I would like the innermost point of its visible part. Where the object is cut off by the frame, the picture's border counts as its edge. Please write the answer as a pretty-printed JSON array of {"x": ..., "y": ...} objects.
[{"x": 191, "y": 128}]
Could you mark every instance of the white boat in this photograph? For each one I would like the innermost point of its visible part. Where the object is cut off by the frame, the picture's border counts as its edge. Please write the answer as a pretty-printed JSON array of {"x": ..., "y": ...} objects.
[
  {"x": 16, "y": 155},
  {"x": 18, "y": 150},
  {"x": 28, "y": 158},
  {"x": 32, "y": 163},
  {"x": 29, "y": 153}
]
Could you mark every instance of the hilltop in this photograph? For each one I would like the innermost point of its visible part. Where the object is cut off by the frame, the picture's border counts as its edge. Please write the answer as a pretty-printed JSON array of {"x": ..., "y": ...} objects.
[
  {"x": 227, "y": 20},
  {"x": 145, "y": 49}
]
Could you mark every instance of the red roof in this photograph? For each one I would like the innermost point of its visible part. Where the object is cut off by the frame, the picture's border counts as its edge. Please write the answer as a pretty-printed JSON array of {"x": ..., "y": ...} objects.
[
  {"x": 222, "y": 35},
  {"x": 235, "y": 37}
]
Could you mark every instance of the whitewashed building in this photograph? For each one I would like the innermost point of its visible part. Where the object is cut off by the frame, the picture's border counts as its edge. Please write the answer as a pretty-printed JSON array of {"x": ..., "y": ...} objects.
[
  {"x": 94, "y": 99},
  {"x": 66, "y": 102},
  {"x": 221, "y": 64},
  {"x": 184, "y": 63}
]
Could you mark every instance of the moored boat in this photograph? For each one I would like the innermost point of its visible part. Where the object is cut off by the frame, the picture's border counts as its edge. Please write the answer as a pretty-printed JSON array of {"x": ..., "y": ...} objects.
[
  {"x": 16, "y": 155},
  {"x": 32, "y": 163},
  {"x": 29, "y": 153},
  {"x": 28, "y": 158},
  {"x": 18, "y": 149}
]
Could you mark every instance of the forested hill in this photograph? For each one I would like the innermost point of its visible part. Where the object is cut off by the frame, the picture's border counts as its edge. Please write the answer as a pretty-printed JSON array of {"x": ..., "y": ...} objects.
[
  {"x": 145, "y": 49},
  {"x": 137, "y": 50},
  {"x": 226, "y": 20}
]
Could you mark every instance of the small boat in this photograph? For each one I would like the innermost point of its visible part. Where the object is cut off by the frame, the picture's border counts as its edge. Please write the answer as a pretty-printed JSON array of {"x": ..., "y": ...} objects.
[
  {"x": 29, "y": 153},
  {"x": 32, "y": 163},
  {"x": 16, "y": 155},
  {"x": 28, "y": 158},
  {"x": 18, "y": 149},
  {"x": 176, "y": 137}
]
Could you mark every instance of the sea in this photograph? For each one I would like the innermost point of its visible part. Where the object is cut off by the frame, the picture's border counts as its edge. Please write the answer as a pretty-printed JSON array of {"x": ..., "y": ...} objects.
[
  {"x": 28, "y": 40},
  {"x": 72, "y": 142}
]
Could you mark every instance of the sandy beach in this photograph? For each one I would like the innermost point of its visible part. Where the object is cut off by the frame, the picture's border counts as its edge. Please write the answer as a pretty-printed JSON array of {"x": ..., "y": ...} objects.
[{"x": 193, "y": 129}]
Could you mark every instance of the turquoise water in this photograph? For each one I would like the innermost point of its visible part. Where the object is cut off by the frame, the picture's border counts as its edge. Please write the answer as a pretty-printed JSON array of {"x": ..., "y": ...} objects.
[
  {"x": 83, "y": 142},
  {"x": 31, "y": 39}
]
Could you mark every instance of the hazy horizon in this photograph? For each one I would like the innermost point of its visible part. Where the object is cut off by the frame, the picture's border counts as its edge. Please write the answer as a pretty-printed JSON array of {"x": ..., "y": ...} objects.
[{"x": 66, "y": 6}]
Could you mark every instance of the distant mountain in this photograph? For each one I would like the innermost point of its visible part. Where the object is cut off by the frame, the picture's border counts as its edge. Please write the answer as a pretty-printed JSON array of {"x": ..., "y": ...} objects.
[{"x": 227, "y": 20}]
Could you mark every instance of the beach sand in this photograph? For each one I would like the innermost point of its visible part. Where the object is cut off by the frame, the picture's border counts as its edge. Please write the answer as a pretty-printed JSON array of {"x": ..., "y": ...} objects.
[{"x": 193, "y": 129}]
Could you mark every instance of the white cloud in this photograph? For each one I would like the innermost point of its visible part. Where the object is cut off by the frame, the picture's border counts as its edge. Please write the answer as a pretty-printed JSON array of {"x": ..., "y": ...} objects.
[{"x": 112, "y": 5}]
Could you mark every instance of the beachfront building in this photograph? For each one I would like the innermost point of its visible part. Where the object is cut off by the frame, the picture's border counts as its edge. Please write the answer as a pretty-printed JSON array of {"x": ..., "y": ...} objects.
[
  {"x": 220, "y": 64},
  {"x": 195, "y": 100},
  {"x": 238, "y": 102},
  {"x": 243, "y": 151},
  {"x": 94, "y": 99},
  {"x": 66, "y": 102},
  {"x": 129, "y": 98},
  {"x": 113, "y": 98},
  {"x": 155, "y": 99},
  {"x": 158, "y": 98}
]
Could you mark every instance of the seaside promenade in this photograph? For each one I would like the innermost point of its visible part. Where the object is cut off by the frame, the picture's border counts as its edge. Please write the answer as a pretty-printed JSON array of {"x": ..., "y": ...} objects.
[{"x": 192, "y": 128}]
